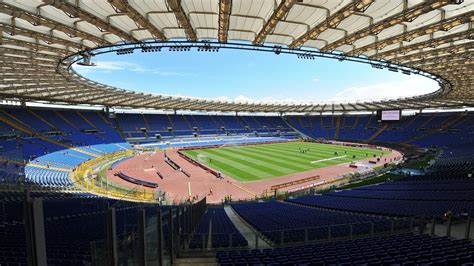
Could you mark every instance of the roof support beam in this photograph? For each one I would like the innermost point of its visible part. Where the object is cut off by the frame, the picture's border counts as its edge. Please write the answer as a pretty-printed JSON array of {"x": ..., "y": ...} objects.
[
  {"x": 444, "y": 61},
  {"x": 468, "y": 34},
  {"x": 280, "y": 12},
  {"x": 374, "y": 29},
  {"x": 32, "y": 46},
  {"x": 454, "y": 49},
  {"x": 125, "y": 7},
  {"x": 26, "y": 63},
  {"x": 14, "y": 30},
  {"x": 101, "y": 94},
  {"x": 31, "y": 54},
  {"x": 74, "y": 11},
  {"x": 443, "y": 25},
  {"x": 150, "y": 101},
  {"x": 225, "y": 8},
  {"x": 183, "y": 20},
  {"x": 86, "y": 96},
  {"x": 332, "y": 21},
  {"x": 38, "y": 48},
  {"x": 37, "y": 20}
]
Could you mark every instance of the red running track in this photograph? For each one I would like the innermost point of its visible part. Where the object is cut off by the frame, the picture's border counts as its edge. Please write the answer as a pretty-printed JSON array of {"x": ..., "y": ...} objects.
[{"x": 178, "y": 186}]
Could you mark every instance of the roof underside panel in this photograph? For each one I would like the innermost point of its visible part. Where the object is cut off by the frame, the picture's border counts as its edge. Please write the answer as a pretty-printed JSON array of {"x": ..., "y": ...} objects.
[{"x": 435, "y": 36}]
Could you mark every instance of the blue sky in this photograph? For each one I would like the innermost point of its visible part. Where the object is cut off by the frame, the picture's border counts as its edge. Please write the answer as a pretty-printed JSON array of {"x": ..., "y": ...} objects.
[{"x": 251, "y": 76}]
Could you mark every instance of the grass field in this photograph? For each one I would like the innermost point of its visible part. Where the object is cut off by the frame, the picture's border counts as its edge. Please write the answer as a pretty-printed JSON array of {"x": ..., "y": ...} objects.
[{"x": 256, "y": 162}]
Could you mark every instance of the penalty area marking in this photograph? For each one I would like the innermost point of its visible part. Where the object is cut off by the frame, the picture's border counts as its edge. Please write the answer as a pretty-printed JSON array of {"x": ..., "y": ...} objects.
[{"x": 329, "y": 159}]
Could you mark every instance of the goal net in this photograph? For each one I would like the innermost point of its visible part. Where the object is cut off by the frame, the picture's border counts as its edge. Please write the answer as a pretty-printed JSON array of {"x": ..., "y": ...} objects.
[{"x": 202, "y": 158}]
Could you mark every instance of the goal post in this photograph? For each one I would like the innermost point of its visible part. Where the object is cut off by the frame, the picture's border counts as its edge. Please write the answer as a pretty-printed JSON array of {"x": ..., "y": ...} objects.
[{"x": 202, "y": 158}]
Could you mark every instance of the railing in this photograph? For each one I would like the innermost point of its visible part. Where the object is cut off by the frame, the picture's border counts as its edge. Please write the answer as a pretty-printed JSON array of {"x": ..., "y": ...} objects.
[
  {"x": 154, "y": 236},
  {"x": 91, "y": 176},
  {"x": 203, "y": 242}
]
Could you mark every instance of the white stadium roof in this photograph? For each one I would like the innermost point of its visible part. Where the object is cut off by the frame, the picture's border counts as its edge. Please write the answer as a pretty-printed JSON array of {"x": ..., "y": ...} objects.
[{"x": 41, "y": 39}]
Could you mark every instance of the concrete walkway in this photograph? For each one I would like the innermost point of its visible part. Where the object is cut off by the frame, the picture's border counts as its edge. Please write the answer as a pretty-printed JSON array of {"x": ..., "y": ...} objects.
[{"x": 246, "y": 230}]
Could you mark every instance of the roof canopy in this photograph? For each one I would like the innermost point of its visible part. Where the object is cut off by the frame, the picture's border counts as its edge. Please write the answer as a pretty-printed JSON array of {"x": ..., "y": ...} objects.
[{"x": 434, "y": 36}]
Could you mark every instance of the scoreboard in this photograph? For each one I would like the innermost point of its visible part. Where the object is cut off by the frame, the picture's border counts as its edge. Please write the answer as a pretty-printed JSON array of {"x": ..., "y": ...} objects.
[{"x": 389, "y": 115}]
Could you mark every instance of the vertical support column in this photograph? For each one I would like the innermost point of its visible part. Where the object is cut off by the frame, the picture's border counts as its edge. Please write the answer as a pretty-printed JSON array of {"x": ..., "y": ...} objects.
[
  {"x": 34, "y": 230},
  {"x": 171, "y": 229},
  {"x": 421, "y": 228},
  {"x": 448, "y": 226},
  {"x": 190, "y": 223},
  {"x": 185, "y": 224},
  {"x": 467, "y": 233},
  {"x": 160, "y": 247},
  {"x": 179, "y": 216},
  {"x": 433, "y": 226},
  {"x": 256, "y": 241},
  {"x": 192, "y": 209},
  {"x": 141, "y": 237},
  {"x": 111, "y": 237}
]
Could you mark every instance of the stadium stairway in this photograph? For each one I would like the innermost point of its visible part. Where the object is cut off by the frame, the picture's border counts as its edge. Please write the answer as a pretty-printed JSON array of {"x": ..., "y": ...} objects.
[
  {"x": 427, "y": 121},
  {"x": 41, "y": 118},
  {"x": 355, "y": 122},
  {"x": 412, "y": 120},
  {"x": 368, "y": 122},
  {"x": 288, "y": 123},
  {"x": 301, "y": 122},
  {"x": 245, "y": 229},
  {"x": 16, "y": 125},
  {"x": 66, "y": 120},
  {"x": 170, "y": 121},
  {"x": 377, "y": 133},
  {"x": 31, "y": 132},
  {"x": 451, "y": 120},
  {"x": 147, "y": 126},
  {"x": 338, "y": 126},
  {"x": 187, "y": 122},
  {"x": 87, "y": 120}
]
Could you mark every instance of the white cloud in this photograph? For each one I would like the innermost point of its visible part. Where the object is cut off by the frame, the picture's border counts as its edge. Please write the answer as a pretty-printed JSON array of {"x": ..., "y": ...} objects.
[
  {"x": 169, "y": 73},
  {"x": 112, "y": 66},
  {"x": 246, "y": 99},
  {"x": 411, "y": 86},
  {"x": 109, "y": 66},
  {"x": 315, "y": 79}
]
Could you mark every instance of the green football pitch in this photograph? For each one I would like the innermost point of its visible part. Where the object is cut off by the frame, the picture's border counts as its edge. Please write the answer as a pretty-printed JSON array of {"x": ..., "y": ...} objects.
[{"x": 262, "y": 161}]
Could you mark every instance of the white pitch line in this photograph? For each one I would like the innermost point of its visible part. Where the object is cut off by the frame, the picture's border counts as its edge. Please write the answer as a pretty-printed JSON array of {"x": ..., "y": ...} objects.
[
  {"x": 149, "y": 169},
  {"x": 329, "y": 159}
]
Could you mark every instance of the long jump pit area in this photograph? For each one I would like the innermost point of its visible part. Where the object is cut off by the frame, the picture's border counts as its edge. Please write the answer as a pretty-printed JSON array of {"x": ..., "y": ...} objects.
[{"x": 246, "y": 171}]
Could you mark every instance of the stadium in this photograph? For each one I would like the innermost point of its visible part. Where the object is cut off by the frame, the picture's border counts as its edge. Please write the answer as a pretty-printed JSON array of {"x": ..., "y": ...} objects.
[{"x": 95, "y": 174}]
